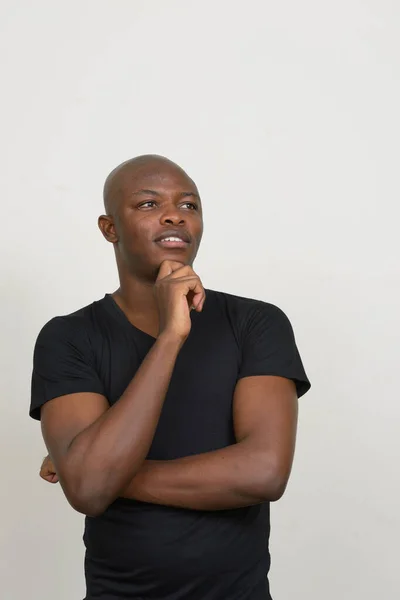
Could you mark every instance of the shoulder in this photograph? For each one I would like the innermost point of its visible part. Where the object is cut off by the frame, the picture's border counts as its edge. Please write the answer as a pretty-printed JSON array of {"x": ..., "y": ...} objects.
[
  {"x": 72, "y": 327},
  {"x": 64, "y": 359},
  {"x": 246, "y": 312}
]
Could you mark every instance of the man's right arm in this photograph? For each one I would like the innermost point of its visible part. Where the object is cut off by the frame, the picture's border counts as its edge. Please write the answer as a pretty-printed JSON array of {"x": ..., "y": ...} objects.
[{"x": 97, "y": 450}]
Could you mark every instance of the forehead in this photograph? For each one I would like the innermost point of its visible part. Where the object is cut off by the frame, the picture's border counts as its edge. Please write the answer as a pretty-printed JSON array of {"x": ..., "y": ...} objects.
[{"x": 160, "y": 178}]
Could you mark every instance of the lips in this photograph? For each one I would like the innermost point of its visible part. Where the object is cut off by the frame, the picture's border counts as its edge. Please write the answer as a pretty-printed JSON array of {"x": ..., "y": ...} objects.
[{"x": 173, "y": 238}]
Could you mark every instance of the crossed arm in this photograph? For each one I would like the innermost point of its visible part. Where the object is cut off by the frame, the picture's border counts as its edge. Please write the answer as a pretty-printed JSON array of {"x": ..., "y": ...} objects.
[{"x": 254, "y": 469}]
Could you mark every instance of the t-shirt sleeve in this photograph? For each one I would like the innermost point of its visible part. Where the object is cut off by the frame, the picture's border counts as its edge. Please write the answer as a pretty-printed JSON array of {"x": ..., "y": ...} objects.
[
  {"x": 62, "y": 364},
  {"x": 269, "y": 347}
]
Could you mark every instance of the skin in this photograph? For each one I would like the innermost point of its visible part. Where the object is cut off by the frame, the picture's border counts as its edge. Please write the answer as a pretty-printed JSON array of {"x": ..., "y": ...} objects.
[
  {"x": 158, "y": 287},
  {"x": 131, "y": 230}
]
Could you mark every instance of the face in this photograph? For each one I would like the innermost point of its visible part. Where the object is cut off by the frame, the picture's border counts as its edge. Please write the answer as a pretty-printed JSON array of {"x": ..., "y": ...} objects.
[{"x": 157, "y": 217}]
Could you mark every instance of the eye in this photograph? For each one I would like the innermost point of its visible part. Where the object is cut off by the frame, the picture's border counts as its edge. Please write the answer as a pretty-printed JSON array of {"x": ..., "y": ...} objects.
[
  {"x": 147, "y": 204},
  {"x": 191, "y": 205}
]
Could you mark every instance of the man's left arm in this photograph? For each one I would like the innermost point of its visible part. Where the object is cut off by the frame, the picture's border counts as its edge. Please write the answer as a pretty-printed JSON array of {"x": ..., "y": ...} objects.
[{"x": 254, "y": 470}]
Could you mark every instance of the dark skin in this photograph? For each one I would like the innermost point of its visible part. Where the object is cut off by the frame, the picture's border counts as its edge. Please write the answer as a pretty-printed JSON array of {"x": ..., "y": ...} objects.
[
  {"x": 173, "y": 201},
  {"x": 158, "y": 287}
]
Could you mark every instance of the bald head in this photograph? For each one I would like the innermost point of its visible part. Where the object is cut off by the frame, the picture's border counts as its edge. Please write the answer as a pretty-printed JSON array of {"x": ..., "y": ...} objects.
[
  {"x": 124, "y": 176},
  {"x": 145, "y": 197}
]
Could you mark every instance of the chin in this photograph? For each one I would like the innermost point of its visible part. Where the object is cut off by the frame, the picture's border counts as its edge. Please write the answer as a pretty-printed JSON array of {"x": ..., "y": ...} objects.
[{"x": 176, "y": 256}]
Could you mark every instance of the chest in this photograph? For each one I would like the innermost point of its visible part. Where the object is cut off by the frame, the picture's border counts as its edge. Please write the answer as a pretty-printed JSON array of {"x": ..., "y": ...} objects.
[{"x": 197, "y": 411}]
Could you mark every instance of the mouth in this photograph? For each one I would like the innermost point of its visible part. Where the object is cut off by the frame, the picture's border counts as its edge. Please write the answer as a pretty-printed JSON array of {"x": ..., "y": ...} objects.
[{"x": 176, "y": 240}]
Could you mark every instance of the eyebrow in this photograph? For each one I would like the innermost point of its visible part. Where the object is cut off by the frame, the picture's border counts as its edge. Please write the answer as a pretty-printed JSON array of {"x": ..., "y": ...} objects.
[{"x": 154, "y": 193}]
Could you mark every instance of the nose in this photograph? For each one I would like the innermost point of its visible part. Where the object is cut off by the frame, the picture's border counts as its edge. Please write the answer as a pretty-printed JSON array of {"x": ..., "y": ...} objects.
[{"x": 172, "y": 216}]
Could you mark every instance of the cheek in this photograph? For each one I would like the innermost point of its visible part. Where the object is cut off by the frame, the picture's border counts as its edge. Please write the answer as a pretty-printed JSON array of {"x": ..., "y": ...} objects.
[
  {"x": 198, "y": 229},
  {"x": 137, "y": 233},
  {"x": 145, "y": 228}
]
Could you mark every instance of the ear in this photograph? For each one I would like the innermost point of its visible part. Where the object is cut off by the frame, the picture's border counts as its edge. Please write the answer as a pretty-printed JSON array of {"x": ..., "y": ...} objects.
[{"x": 107, "y": 228}]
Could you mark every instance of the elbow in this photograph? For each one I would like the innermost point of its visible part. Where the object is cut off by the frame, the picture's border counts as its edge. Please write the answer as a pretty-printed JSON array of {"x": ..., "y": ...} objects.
[
  {"x": 87, "y": 507},
  {"x": 275, "y": 490},
  {"x": 88, "y": 491},
  {"x": 88, "y": 502},
  {"x": 273, "y": 484}
]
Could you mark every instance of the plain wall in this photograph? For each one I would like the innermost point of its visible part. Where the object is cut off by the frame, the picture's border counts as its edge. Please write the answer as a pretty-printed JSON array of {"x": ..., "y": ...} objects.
[{"x": 287, "y": 116}]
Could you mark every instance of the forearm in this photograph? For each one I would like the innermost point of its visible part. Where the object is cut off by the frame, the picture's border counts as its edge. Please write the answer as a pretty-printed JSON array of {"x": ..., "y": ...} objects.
[
  {"x": 233, "y": 477},
  {"x": 104, "y": 458}
]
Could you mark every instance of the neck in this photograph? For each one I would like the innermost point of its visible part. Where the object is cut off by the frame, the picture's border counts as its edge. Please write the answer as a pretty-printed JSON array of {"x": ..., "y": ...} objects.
[{"x": 136, "y": 297}]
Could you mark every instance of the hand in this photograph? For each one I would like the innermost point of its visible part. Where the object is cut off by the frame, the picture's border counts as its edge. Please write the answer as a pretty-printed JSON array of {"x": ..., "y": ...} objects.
[
  {"x": 48, "y": 471},
  {"x": 177, "y": 290}
]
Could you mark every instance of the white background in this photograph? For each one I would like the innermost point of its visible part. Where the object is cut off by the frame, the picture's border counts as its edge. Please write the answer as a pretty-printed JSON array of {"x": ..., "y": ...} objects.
[{"x": 287, "y": 116}]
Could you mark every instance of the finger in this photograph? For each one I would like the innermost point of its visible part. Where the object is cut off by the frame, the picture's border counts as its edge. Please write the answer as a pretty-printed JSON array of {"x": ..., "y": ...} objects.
[
  {"x": 194, "y": 287},
  {"x": 190, "y": 283},
  {"x": 52, "y": 478},
  {"x": 191, "y": 287},
  {"x": 167, "y": 267},
  {"x": 47, "y": 468},
  {"x": 183, "y": 271},
  {"x": 46, "y": 473},
  {"x": 200, "y": 304},
  {"x": 196, "y": 291}
]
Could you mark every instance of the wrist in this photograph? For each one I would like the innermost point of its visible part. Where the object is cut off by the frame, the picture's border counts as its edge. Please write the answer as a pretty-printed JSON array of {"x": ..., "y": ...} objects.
[
  {"x": 138, "y": 488},
  {"x": 170, "y": 340}
]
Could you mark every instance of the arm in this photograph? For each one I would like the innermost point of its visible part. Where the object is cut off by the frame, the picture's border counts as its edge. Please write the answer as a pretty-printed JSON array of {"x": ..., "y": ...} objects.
[
  {"x": 254, "y": 470},
  {"x": 97, "y": 450}
]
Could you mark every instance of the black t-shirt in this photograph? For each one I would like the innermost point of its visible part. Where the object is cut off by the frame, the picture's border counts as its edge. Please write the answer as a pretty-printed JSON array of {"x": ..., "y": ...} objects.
[{"x": 143, "y": 551}]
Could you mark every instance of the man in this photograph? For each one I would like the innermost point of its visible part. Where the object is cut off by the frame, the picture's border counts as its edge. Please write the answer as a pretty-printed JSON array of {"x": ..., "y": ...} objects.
[{"x": 169, "y": 411}]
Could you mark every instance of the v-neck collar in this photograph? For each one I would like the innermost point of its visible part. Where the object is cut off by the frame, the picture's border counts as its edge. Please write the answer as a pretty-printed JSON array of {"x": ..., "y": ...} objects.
[{"x": 117, "y": 311}]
